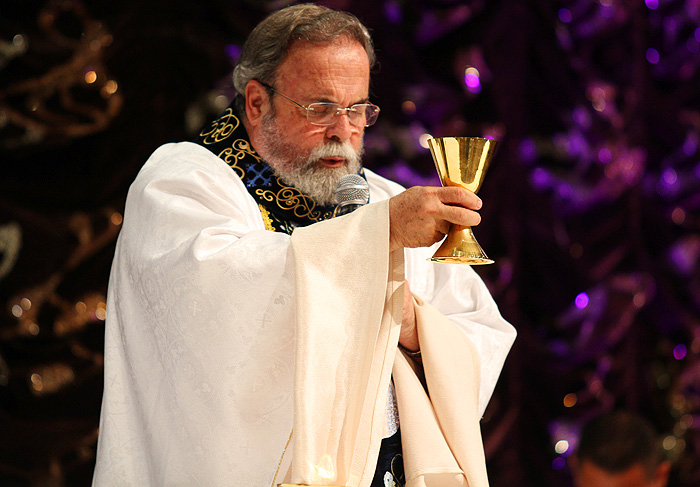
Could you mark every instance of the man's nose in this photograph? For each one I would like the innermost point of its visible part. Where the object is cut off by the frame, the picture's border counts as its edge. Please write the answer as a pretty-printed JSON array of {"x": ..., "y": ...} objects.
[{"x": 342, "y": 129}]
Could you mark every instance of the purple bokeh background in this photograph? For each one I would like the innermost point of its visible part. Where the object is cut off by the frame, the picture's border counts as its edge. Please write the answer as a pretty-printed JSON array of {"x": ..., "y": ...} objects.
[{"x": 591, "y": 206}]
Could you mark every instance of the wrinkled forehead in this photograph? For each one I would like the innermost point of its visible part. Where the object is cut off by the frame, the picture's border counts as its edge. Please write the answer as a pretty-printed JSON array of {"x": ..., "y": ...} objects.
[{"x": 333, "y": 67}]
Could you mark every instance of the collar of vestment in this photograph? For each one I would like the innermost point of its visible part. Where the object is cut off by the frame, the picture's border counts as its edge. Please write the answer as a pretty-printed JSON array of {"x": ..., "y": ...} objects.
[{"x": 283, "y": 207}]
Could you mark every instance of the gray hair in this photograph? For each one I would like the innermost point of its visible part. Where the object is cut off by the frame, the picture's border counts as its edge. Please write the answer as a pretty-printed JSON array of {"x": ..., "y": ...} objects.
[{"x": 269, "y": 42}]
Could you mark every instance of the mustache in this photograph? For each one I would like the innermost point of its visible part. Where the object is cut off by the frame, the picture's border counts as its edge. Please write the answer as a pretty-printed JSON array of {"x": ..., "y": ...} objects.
[{"x": 336, "y": 149}]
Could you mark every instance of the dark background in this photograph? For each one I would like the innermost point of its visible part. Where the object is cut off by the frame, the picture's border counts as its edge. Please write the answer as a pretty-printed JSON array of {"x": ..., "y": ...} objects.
[{"x": 591, "y": 206}]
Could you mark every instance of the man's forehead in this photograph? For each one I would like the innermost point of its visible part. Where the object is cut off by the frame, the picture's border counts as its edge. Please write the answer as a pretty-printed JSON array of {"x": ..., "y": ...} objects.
[{"x": 340, "y": 63}]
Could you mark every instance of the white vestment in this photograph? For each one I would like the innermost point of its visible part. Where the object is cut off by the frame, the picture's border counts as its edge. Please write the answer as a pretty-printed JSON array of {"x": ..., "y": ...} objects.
[{"x": 201, "y": 320}]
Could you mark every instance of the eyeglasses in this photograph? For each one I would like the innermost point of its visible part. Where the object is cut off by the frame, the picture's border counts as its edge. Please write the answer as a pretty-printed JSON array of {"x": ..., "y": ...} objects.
[{"x": 326, "y": 113}]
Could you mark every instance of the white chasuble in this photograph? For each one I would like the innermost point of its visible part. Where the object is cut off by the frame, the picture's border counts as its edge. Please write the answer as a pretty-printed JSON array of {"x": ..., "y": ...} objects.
[{"x": 203, "y": 332}]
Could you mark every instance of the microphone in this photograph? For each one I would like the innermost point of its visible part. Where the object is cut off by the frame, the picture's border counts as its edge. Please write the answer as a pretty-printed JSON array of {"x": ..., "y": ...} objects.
[{"x": 351, "y": 193}]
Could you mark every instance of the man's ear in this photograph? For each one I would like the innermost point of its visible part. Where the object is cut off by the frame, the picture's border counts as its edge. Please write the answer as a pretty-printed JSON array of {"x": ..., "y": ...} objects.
[{"x": 256, "y": 102}]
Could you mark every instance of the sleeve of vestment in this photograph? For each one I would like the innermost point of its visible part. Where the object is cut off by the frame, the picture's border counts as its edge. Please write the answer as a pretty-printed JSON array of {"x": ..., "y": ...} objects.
[
  {"x": 199, "y": 332},
  {"x": 460, "y": 294}
]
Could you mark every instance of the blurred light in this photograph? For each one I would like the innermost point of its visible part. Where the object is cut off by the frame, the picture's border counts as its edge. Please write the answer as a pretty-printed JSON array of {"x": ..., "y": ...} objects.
[
  {"x": 669, "y": 442},
  {"x": 587, "y": 328},
  {"x": 540, "y": 178},
  {"x": 80, "y": 307},
  {"x": 404, "y": 173},
  {"x": 565, "y": 15},
  {"x": 423, "y": 140},
  {"x": 60, "y": 327},
  {"x": 581, "y": 117},
  {"x": 697, "y": 34},
  {"x": 116, "y": 218},
  {"x": 33, "y": 328},
  {"x": 678, "y": 429},
  {"x": 686, "y": 421},
  {"x": 109, "y": 88},
  {"x": 472, "y": 70},
  {"x": 679, "y": 402},
  {"x": 37, "y": 382},
  {"x": 678, "y": 216},
  {"x": 653, "y": 56},
  {"x": 652, "y": 4},
  {"x": 639, "y": 299},
  {"x": 679, "y": 351},
  {"x": 570, "y": 400},
  {"x": 581, "y": 300},
  {"x": 17, "y": 311},
  {"x": 577, "y": 144},
  {"x": 561, "y": 447},
  {"x": 559, "y": 347},
  {"x": 667, "y": 185},
  {"x": 90, "y": 76},
  {"x": 392, "y": 12},
  {"x": 576, "y": 250},
  {"x": 25, "y": 303},
  {"x": 663, "y": 380},
  {"x": 596, "y": 386},
  {"x": 684, "y": 254},
  {"x": 558, "y": 463},
  {"x": 528, "y": 150},
  {"x": 692, "y": 45},
  {"x": 221, "y": 102},
  {"x": 604, "y": 155},
  {"x": 565, "y": 191},
  {"x": 408, "y": 107},
  {"x": 233, "y": 51},
  {"x": 671, "y": 25},
  {"x": 604, "y": 365},
  {"x": 472, "y": 80},
  {"x": 669, "y": 177},
  {"x": 690, "y": 147},
  {"x": 101, "y": 312},
  {"x": 680, "y": 446}
]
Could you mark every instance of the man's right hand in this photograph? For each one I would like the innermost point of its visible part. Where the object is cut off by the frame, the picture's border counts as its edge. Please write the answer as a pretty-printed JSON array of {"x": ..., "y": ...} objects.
[{"x": 421, "y": 215}]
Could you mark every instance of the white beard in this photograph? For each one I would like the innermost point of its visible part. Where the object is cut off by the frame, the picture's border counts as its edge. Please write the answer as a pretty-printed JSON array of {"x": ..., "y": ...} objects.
[{"x": 304, "y": 171}]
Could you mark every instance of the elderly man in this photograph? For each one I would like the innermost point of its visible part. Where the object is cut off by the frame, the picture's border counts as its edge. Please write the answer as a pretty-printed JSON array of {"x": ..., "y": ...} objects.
[{"x": 252, "y": 339}]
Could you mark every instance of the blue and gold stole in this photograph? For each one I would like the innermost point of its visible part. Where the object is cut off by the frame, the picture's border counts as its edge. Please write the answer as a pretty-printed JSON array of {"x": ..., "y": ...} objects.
[{"x": 283, "y": 207}]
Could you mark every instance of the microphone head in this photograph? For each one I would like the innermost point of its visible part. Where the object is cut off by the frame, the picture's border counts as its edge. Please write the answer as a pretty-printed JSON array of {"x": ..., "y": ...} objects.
[{"x": 352, "y": 189}]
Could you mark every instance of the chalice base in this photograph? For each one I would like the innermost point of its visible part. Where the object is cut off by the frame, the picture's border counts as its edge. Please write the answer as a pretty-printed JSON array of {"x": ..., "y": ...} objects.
[{"x": 460, "y": 247}]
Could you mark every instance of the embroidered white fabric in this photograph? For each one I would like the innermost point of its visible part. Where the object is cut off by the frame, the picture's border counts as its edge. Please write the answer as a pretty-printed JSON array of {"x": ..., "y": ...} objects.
[
  {"x": 200, "y": 325},
  {"x": 392, "y": 412}
]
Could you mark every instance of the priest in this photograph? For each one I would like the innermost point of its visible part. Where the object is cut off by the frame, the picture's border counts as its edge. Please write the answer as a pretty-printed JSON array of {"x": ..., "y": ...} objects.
[{"x": 254, "y": 339}]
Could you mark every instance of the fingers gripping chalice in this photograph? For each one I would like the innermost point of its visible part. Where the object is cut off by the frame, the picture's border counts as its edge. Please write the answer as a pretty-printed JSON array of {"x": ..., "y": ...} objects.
[{"x": 462, "y": 161}]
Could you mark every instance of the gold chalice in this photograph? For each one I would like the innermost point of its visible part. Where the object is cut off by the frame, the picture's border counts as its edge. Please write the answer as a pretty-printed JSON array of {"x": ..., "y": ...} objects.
[{"x": 462, "y": 161}]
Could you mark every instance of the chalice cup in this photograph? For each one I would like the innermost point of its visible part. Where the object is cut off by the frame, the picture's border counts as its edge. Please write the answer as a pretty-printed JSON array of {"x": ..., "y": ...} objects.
[{"x": 462, "y": 161}]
